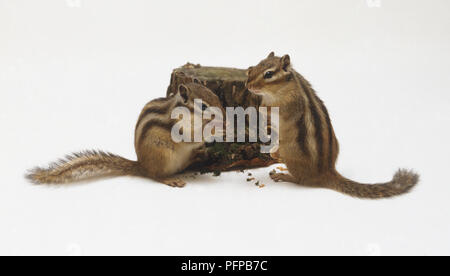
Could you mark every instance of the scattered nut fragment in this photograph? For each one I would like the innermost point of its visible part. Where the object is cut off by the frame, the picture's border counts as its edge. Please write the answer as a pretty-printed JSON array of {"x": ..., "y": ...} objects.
[{"x": 251, "y": 178}]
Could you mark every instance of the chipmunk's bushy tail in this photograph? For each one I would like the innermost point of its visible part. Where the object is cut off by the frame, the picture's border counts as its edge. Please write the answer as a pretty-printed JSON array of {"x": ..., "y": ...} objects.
[
  {"x": 402, "y": 182},
  {"x": 84, "y": 166}
]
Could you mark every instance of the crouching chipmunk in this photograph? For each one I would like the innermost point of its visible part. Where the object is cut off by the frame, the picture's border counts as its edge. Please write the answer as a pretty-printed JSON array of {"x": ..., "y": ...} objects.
[{"x": 158, "y": 156}]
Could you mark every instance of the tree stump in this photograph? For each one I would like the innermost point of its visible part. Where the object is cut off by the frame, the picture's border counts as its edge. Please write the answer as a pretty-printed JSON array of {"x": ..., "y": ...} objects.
[{"x": 229, "y": 85}]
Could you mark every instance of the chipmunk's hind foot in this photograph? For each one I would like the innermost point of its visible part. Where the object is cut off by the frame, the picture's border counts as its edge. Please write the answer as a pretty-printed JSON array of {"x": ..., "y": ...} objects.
[{"x": 174, "y": 182}]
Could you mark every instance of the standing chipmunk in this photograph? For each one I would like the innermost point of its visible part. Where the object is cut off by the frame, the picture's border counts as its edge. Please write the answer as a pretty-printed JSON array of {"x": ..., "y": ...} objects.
[
  {"x": 308, "y": 145},
  {"x": 159, "y": 157}
]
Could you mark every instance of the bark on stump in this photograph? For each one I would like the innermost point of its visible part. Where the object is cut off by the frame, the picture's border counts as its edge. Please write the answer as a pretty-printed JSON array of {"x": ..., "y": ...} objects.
[{"x": 229, "y": 85}]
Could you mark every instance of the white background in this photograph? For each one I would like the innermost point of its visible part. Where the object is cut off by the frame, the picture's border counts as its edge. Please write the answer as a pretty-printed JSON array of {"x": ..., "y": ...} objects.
[{"x": 75, "y": 74}]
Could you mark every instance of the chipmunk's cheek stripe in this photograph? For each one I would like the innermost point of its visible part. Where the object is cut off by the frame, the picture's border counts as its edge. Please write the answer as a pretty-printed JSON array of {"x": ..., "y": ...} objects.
[{"x": 256, "y": 91}]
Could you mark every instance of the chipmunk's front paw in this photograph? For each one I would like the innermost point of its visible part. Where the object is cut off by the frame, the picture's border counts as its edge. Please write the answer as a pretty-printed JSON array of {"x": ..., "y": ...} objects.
[
  {"x": 275, "y": 155},
  {"x": 200, "y": 155},
  {"x": 282, "y": 177}
]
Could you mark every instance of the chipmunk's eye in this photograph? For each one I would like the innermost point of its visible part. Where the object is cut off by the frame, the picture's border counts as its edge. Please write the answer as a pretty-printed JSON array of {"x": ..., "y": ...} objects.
[
  {"x": 204, "y": 107},
  {"x": 268, "y": 75}
]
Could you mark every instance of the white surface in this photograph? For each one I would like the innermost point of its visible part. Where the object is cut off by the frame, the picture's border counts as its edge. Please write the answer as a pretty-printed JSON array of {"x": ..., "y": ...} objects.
[{"x": 75, "y": 74}]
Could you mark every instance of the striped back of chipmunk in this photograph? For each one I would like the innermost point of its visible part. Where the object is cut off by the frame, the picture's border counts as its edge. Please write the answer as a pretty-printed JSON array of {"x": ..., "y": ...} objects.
[
  {"x": 155, "y": 114},
  {"x": 316, "y": 136}
]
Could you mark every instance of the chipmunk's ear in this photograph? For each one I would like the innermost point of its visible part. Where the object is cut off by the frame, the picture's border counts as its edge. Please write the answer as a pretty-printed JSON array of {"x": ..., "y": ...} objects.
[
  {"x": 247, "y": 72},
  {"x": 285, "y": 62},
  {"x": 183, "y": 90},
  {"x": 271, "y": 55}
]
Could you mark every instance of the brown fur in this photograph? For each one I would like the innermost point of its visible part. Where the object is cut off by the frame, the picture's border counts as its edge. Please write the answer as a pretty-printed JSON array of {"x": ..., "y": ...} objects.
[
  {"x": 159, "y": 157},
  {"x": 308, "y": 144}
]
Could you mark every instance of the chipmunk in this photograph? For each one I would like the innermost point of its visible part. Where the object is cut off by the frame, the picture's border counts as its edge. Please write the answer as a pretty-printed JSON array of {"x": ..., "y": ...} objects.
[
  {"x": 308, "y": 145},
  {"x": 158, "y": 156}
]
